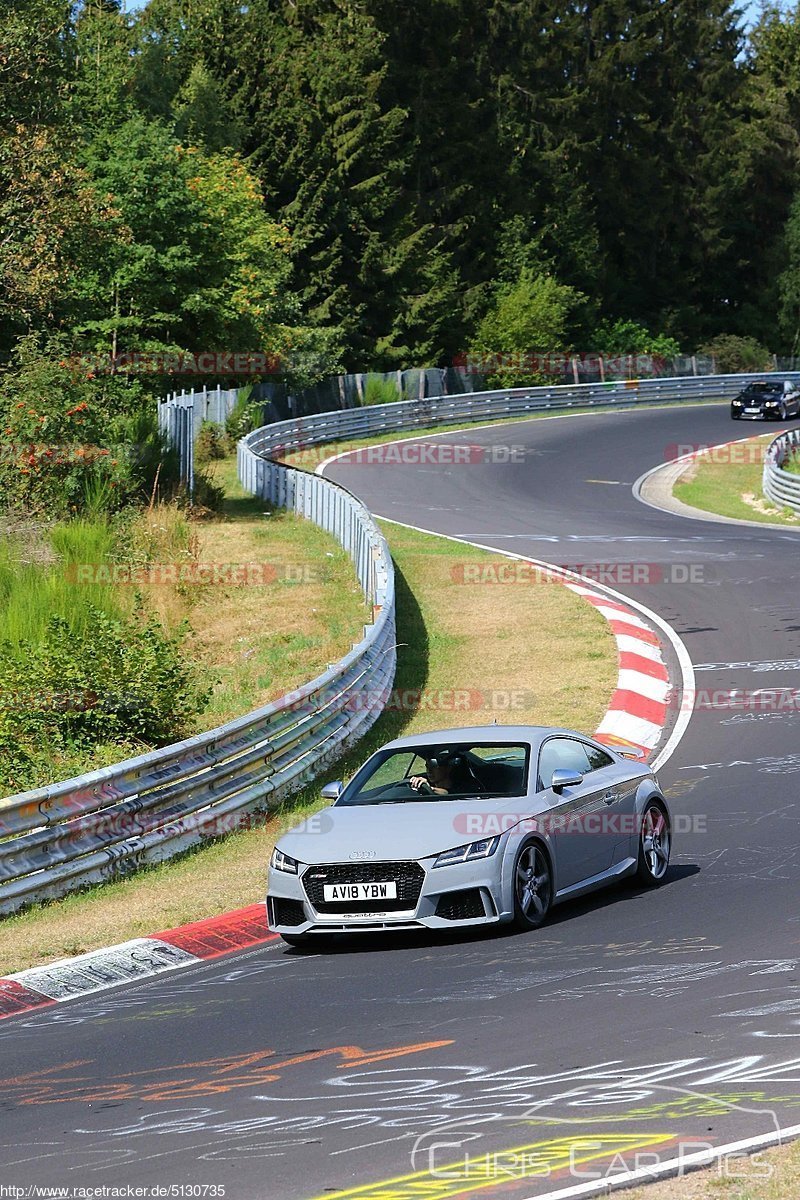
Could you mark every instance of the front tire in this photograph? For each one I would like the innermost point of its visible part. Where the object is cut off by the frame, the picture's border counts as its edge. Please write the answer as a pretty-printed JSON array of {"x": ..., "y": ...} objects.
[
  {"x": 655, "y": 843},
  {"x": 533, "y": 887}
]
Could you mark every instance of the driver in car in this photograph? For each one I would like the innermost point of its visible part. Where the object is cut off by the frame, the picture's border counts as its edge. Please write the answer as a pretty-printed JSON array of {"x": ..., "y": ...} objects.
[{"x": 438, "y": 778}]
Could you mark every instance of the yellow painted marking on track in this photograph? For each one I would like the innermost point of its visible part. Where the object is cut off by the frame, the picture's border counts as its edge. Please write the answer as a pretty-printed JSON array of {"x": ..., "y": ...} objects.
[
  {"x": 537, "y": 1160},
  {"x": 709, "y": 1104}
]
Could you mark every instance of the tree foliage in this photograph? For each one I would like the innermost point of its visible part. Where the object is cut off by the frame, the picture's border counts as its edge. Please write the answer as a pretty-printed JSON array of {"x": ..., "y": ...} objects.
[{"x": 370, "y": 184}]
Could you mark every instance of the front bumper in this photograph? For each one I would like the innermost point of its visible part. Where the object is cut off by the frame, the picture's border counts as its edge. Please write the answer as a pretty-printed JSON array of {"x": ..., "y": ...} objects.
[
  {"x": 464, "y": 894},
  {"x": 764, "y": 414}
]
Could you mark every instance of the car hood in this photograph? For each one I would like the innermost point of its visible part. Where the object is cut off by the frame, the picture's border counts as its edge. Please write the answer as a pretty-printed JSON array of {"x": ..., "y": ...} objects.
[{"x": 386, "y": 832}]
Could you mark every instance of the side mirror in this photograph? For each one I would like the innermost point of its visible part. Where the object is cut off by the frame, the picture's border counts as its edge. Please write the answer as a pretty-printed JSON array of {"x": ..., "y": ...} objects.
[
  {"x": 332, "y": 791},
  {"x": 563, "y": 778}
]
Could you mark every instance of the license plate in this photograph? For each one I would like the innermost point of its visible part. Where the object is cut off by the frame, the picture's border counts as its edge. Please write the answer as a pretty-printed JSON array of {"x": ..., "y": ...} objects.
[
  {"x": 756, "y": 411},
  {"x": 359, "y": 891}
]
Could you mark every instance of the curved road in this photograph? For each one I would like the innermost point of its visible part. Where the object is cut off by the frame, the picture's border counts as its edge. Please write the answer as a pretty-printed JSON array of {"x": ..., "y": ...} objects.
[{"x": 632, "y": 1025}]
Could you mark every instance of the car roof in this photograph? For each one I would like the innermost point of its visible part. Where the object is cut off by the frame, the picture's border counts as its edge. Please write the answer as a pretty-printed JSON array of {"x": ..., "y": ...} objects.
[{"x": 532, "y": 734}]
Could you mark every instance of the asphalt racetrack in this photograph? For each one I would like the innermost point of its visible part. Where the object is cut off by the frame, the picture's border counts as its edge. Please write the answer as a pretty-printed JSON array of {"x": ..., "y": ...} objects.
[{"x": 635, "y": 1026}]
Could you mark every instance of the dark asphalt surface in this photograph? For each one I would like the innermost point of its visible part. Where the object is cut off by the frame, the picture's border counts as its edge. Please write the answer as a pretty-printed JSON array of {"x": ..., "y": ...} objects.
[{"x": 631, "y": 1024}]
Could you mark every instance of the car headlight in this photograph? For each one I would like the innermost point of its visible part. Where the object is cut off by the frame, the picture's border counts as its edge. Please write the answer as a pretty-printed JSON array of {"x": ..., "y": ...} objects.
[
  {"x": 738, "y": 403},
  {"x": 283, "y": 862},
  {"x": 461, "y": 854},
  {"x": 771, "y": 403}
]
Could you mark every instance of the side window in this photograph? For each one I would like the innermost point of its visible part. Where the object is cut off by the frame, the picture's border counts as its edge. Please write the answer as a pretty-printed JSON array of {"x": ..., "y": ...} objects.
[
  {"x": 598, "y": 758},
  {"x": 562, "y": 754}
]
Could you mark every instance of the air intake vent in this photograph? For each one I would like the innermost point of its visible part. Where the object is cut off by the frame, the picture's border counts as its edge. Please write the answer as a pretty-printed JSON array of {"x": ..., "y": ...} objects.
[{"x": 461, "y": 906}]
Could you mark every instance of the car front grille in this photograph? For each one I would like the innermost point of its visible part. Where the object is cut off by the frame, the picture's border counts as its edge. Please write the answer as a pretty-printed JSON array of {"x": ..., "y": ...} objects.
[
  {"x": 409, "y": 877},
  {"x": 461, "y": 906}
]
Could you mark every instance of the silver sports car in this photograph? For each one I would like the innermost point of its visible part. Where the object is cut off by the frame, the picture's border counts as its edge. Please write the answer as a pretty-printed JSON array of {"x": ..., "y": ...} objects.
[{"x": 469, "y": 827}]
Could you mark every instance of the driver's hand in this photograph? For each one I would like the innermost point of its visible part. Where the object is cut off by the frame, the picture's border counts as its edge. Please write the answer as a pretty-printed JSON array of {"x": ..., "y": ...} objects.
[{"x": 419, "y": 783}]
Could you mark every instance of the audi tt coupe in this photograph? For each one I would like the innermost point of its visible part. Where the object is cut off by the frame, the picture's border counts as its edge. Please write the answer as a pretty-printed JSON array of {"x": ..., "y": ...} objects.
[{"x": 469, "y": 827}]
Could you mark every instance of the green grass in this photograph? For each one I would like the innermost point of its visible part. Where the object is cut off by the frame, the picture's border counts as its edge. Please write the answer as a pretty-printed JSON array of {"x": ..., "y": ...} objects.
[
  {"x": 32, "y": 592},
  {"x": 732, "y": 489}
]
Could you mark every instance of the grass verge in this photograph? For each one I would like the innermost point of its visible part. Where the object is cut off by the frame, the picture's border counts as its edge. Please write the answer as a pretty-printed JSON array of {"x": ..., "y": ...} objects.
[
  {"x": 546, "y": 655},
  {"x": 728, "y": 482},
  {"x": 771, "y": 1175},
  {"x": 260, "y": 641}
]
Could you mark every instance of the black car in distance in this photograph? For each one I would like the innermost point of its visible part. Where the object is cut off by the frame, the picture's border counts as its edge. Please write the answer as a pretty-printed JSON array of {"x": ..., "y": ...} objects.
[{"x": 776, "y": 399}]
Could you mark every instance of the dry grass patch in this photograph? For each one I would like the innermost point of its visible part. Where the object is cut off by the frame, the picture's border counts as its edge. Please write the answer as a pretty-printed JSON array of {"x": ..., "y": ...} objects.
[
  {"x": 299, "y": 605},
  {"x": 773, "y": 1175},
  {"x": 532, "y": 653},
  {"x": 539, "y": 641}
]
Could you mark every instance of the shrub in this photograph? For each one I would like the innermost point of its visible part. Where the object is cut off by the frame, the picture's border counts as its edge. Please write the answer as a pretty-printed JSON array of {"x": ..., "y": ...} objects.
[
  {"x": 528, "y": 318},
  {"x": 207, "y": 493},
  {"x": 74, "y": 443},
  {"x": 211, "y": 443},
  {"x": 735, "y": 355},
  {"x": 116, "y": 679},
  {"x": 613, "y": 338},
  {"x": 247, "y": 415},
  {"x": 378, "y": 390},
  {"x": 78, "y": 670}
]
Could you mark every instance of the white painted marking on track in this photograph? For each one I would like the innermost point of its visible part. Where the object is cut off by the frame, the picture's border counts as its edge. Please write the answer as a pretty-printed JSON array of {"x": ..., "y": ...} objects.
[
  {"x": 632, "y": 645},
  {"x": 635, "y": 729}
]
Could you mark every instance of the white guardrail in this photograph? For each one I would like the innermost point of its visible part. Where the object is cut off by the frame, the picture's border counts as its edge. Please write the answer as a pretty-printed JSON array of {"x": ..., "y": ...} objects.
[
  {"x": 782, "y": 487},
  {"x": 108, "y": 822}
]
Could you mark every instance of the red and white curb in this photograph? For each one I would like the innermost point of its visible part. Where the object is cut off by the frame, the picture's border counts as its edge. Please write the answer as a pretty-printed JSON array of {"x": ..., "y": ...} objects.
[
  {"x": 130, "y": 961},
  {"x": 637, "y": 713}
]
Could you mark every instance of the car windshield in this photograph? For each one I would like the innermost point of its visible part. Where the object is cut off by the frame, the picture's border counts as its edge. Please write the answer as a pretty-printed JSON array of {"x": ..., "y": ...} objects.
[
  {"x": 470, "y": 771},
  {"x": 762, "y": 389}
]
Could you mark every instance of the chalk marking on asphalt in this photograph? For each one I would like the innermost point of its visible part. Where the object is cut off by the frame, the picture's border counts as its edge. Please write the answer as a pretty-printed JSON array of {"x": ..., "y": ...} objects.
[
  {"x": 778, "y": 664},
  {"x": 499, "y": 1167}
]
